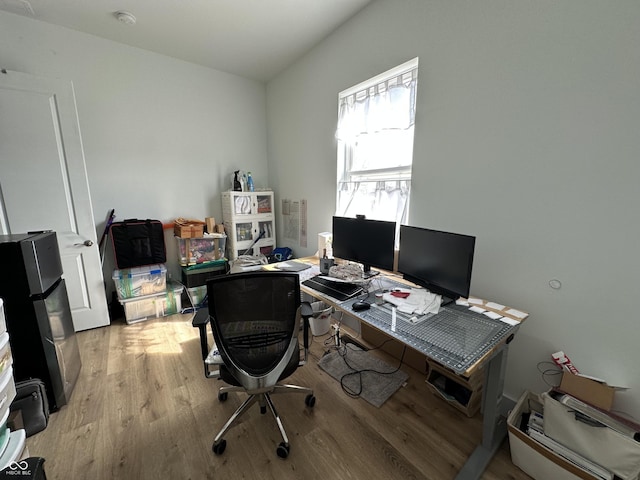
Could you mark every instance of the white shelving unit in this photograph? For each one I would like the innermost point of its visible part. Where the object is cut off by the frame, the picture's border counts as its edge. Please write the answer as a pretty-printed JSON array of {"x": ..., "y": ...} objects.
[
  {"x": 245, "y": 216},
  {"x": 12, "y": 444}
]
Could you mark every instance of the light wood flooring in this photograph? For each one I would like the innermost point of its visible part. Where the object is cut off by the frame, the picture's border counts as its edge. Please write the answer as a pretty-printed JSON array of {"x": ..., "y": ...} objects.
[{"x": 142, "y": 409}]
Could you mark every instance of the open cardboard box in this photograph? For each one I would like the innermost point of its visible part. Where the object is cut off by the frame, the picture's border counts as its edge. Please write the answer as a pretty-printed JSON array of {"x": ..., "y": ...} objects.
[
  {"x": 536, "y": 460},
  {"x": 590, "y": 390}
]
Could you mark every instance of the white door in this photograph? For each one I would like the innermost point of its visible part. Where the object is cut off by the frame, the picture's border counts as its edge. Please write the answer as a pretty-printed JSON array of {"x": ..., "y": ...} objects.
[{"x": 43, "y": 183}]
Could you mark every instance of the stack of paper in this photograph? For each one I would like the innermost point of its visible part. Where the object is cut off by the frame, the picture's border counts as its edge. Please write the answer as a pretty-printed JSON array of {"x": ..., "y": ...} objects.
[{"x": 418, "y": 301}]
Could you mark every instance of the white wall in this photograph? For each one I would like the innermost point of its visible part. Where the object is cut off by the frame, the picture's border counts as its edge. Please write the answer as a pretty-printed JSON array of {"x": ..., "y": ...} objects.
[
  {"x": 161, "y": 136},
  {"x": 526, "y": 136}
]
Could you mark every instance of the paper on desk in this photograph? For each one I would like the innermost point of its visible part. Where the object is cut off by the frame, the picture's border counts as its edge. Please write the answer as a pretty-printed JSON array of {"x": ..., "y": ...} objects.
[
  {"x": 477, "y": 309},
  {"x": 419, "y": 301},
  {"x": 516, "y": 313},
  {"x": 492, "y": 315},
  {"x": 494, "y": 305},
  {"x": 510, "y": 321},
  {"x": 475, "y": 301}
]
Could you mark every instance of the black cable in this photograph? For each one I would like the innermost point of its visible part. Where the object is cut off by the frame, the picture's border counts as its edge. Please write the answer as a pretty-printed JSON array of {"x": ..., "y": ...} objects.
[
  {"x": 359, "y": 373},
  {"x": 547, "y": 372}
]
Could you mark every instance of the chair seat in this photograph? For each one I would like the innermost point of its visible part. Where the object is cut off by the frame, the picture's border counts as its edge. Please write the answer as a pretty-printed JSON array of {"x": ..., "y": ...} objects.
[{"x": 291, "y": 367}]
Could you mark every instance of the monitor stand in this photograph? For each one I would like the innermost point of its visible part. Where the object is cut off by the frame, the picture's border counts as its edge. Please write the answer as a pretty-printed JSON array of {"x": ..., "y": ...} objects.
[
  {"x": 445, "y": 301},
  {"x": 369, "y": 273}
]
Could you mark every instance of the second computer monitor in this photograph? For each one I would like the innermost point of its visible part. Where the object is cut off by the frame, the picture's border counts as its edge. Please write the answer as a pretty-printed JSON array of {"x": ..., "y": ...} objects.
[
  {"x": 439, "y": 261},
  {"x": 369, "y": 242}
]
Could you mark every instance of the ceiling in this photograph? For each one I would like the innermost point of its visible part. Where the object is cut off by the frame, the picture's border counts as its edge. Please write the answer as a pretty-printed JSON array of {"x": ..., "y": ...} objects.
[{"x": 253, "y": 38}]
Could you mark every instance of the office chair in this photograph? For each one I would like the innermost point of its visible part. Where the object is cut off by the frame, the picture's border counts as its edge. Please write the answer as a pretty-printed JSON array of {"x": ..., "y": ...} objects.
[{"x": 255, "y": 320}]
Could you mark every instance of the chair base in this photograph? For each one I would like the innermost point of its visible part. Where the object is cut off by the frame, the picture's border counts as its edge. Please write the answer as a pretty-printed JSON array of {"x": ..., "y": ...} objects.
[{"x": 264, "y": 399}]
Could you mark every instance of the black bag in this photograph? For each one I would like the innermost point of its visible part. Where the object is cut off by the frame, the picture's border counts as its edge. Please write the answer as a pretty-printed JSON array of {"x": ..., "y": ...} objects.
[
  {"x": 31, "y": 400},
  {"x": 137, "y": 243}
]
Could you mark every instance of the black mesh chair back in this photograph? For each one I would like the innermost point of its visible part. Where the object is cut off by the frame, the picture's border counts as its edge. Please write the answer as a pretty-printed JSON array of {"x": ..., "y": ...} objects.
[
  {"x": 255, "y": 319},
  {"x": 255, "y": 322}
]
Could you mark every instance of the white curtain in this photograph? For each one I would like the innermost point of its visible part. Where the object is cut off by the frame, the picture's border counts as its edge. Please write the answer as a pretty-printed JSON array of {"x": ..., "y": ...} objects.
[
  {"x": 384, "y": 106},
  {"x": 384, "y": 200}
]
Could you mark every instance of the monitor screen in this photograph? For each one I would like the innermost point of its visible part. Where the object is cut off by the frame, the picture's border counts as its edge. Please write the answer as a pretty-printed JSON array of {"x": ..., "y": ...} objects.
[
  {"x": 369, "y": 242},
  {"x": 438, "y": 261}
]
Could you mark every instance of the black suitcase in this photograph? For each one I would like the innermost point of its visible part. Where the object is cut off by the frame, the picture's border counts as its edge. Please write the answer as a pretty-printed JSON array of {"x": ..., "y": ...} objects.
[
  {"x": 137, "y": 243},
  {"x": 31, "y": 401}
]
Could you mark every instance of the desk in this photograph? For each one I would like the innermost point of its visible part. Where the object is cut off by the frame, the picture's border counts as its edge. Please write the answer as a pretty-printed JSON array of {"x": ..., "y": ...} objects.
[{"x": 473, "y": 341}]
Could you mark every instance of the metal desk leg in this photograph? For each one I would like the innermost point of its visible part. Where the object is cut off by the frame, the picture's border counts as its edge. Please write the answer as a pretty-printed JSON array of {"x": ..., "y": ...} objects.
[{"x": 494, "y": 426}]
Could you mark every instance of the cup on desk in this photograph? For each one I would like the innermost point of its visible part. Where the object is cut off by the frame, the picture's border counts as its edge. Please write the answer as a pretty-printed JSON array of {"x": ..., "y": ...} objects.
[
  {"x": 379, "y": 299},
  {"x": 325, "y": 265}
]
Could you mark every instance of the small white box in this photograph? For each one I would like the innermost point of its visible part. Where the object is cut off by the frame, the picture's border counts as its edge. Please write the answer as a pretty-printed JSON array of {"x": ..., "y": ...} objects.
[
  {"x": 140, "y": 281},
  {"x": 532, "y": 457},
  {"x": 324, "y": 244}
]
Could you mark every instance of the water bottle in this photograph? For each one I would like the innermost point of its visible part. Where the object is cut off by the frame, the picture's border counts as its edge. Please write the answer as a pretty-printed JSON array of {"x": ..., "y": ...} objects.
[{"x": 250, "y": 182}]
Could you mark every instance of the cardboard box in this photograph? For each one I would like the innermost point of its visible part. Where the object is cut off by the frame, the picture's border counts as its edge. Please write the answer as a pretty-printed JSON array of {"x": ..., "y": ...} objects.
[
  {"x": 184, "y": 228},
  {"x": 592, "y": 434},
  {"x": 464, "y": 394},
  {"x": 589, "y": 391},
  {"x": 532, "y": 457}
]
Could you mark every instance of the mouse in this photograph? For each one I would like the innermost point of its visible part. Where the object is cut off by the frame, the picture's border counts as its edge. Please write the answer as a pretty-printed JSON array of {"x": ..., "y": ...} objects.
[{"x": 361, "y": 305}]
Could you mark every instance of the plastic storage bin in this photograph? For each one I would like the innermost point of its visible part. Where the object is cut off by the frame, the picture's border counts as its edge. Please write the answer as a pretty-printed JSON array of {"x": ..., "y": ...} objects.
[
  {"x": 197, "y": 294},
  {"x": 140, "y": 281},
  {"x": 6, "y": 360},
  {"x": 7, "y": 394},
  {"x": 15, "y": 450},
  {"x": 153, "y": 306},
  {"x": 192, "y": 251},
  {"x": 3, "y": 323}
]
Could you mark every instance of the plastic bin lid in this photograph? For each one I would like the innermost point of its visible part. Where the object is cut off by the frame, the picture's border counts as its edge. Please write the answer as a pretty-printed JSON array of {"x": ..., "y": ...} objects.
[{"x": 137, "y": 271}]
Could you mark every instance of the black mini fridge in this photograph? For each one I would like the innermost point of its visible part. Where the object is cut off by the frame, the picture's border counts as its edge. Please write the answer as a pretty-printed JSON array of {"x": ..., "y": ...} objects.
[{"x": 38, "y": 315}]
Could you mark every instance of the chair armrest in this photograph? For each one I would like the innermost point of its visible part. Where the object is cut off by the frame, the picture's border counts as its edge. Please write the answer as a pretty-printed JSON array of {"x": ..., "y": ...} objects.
[
  {"x": 201, "y": 320},
  {"x": 306, "y": 311}
]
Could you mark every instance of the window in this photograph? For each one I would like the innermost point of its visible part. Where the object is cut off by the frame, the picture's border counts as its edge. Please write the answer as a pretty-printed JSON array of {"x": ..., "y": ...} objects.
[{"x": 375, "y": 145}]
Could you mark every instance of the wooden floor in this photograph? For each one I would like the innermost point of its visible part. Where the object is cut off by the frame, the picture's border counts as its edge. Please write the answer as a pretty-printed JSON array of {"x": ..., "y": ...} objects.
[{"x": 142, "y": 409}]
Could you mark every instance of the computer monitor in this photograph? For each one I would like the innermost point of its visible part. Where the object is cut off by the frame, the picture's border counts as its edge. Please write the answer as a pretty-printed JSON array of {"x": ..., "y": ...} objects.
[
  {"x": 369, "y": 242},
  {"x": 438, "y": 261}
]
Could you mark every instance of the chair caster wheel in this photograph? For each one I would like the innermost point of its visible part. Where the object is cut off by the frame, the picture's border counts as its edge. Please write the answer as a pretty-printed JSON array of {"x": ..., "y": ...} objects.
[
  {"x": 222, "y": 396},
  {"x": 219, "y": 447},
  {"x": 310, "y": 400},
  {"x": 263, "y": 410},
  {"x": 283, "y": 450}
]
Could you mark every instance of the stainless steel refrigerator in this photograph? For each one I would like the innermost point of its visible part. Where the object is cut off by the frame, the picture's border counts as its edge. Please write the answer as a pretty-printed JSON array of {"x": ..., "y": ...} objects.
[{"x": 38, "y": 315}]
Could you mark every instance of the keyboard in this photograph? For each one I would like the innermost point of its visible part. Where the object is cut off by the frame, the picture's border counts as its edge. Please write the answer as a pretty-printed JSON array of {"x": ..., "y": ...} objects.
[{"x": 339, "y": 290}]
